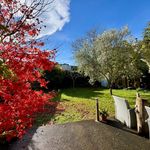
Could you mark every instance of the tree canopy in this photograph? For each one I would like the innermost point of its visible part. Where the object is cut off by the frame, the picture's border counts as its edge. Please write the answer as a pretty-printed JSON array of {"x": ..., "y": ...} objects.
[
  {"x": 109, "y": 55},
  {"x": 145, "y": 45}
]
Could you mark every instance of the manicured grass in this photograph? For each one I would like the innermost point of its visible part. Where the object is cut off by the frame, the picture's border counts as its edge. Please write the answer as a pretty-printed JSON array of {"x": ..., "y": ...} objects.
[{"x": 79, "y": 103}]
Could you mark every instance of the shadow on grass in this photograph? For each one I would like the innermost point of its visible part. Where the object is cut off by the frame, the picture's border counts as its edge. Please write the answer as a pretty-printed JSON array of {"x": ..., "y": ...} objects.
[
  {"x": 87, "y": 93},
  {"x": 51, "y": 110},
  {"x": 46, "y": 116},
  {"x": 59, "y": 98}
]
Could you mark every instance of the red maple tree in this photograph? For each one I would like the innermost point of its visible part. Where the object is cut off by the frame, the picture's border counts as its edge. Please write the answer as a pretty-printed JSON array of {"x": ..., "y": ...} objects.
[{"x": 21, "y": 61}]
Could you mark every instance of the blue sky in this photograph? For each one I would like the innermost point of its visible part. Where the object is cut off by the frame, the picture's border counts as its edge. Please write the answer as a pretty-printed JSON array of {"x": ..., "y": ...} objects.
[{"x": 83, "y": 15}]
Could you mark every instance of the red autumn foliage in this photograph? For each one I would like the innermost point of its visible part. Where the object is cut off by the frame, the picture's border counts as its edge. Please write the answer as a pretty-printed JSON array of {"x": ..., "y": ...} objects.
[
  {"x": 24, "y": 61},
  {"x": 33, "y": 32}
]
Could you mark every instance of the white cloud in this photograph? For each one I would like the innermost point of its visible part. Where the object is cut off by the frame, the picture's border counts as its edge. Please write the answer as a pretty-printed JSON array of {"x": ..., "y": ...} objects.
[{"x": 57, "y": 16}]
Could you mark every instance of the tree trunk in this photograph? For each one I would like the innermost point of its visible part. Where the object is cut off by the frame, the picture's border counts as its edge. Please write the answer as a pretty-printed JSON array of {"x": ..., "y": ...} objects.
[
  {"x": 111, "y": 91},
  {"x": 110, "y": 88},
  {"x": 126, "y": 82},
  {"x": 73, "y": 83}
]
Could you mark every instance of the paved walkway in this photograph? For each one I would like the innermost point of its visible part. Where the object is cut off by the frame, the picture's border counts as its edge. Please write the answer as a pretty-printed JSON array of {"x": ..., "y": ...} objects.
[{"x": 84, "y": 135}]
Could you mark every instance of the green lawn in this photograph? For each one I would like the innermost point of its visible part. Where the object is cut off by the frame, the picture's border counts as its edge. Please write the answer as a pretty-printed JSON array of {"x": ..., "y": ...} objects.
[{"x": 79, "y": 103}]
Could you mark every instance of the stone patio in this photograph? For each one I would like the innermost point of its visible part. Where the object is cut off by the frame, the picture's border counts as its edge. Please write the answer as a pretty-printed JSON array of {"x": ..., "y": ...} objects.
[{"x": 84, "y": 135}]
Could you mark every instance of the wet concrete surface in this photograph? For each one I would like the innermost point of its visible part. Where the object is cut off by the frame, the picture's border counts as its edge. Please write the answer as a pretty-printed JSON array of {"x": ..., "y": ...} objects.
[{"x": 84, "y": 135}]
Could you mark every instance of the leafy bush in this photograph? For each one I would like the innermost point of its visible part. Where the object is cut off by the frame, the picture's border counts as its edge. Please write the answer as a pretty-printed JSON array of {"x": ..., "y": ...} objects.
[{"x": 20, "y": 62}]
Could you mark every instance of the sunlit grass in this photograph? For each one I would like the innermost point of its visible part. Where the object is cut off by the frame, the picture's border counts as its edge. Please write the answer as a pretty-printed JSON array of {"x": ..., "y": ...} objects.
[{"x": 79, "y": 104}]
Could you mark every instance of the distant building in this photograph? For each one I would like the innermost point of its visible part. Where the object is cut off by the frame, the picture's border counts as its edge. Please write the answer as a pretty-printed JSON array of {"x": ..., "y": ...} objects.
[{"x": 66, "y": 67}]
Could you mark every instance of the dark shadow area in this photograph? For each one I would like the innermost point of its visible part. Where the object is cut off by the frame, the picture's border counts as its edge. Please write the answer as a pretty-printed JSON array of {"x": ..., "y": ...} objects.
[
  {"x": 57, "y": 98},
  {"x": 4, "y": 146},
  {"x": 24, "y": 142},
  {"x": 43, "y": 118},
  {"x": 27, "y": 137},
  {"x": 64, "y": 99},
  {"x": 87, "y": 93},
  {"x": 115, "y": 123}
]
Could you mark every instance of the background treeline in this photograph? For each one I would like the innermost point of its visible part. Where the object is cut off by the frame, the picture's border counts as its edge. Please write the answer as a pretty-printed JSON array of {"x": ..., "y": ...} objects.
[{"x": 60, "y": 79}]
